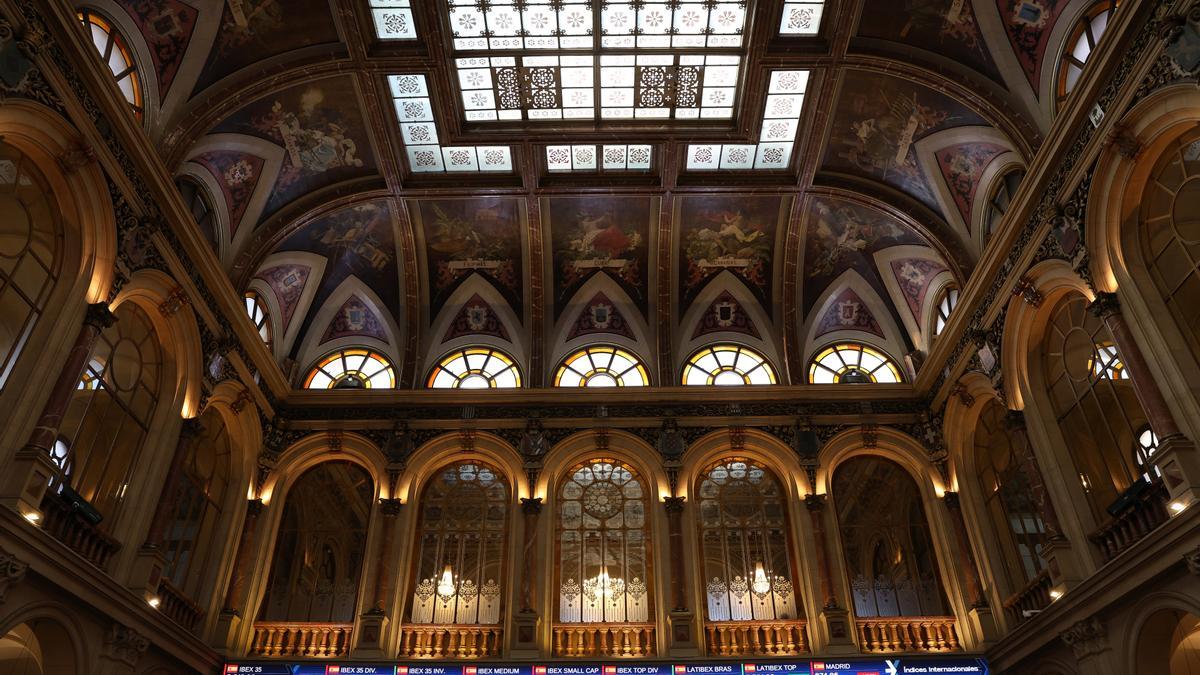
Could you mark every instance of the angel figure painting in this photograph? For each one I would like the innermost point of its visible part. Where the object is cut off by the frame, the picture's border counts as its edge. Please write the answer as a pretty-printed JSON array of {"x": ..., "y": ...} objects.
[
  {"x": 593, "y": 235},
  {"x": 472, "y": 236},
  {"x": 718, "y": 233}
]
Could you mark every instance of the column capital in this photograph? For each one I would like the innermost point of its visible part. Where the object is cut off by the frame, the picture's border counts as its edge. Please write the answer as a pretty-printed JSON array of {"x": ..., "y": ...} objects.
[
  {"x": 814, "y": 502},
  {"x": 99, "y": 316},
  {"x": 531, "y": 506},
  {"x": 674, "y": 505},
  {"x": 1014, "y": 420},
  {"x": 390, "y": 507},
  {"x": 950, "y": 499},
  {"x": 254, "y": 507},
  {"x": 1105, "y": 305}
]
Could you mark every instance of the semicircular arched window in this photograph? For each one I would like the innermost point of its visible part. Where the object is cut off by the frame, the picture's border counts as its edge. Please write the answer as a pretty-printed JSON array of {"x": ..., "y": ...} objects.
[
  {"x": 115, "y": 52},
  {"x": 475, "y": 368},
  {"x": 945, "y": 305},
  {"x": 1001, "y": 200},
  {"x": 852, "y": 363},
  {"x": 353, "y": 368},
  {"x": 601, "y": 366},
  {"x": 1080, "y": 44},
  {"x": 257, "y": 311},
  {"x": 728, "y": 364},
  {"x": 200, "y": 205}
]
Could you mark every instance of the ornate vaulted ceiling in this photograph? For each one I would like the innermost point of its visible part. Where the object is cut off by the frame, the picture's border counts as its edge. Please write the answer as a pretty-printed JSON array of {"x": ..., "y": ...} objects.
[{"x": 303, "y": 126}]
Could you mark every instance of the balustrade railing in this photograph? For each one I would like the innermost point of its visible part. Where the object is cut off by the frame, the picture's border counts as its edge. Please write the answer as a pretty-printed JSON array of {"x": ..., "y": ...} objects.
[
  {"x": 884, "y": 635},
  {"x": 1144, "y": 512},
  {"x": 176, "y": 606},
  {"x": 457, "y": 641},
  {"x": 63, "y": 522},
  {"x": 759, "y": 638},
  {"x": 311, "y": 640},
  {"x": 1029, "y": 600},
  {"x": 604, "y": 639}
]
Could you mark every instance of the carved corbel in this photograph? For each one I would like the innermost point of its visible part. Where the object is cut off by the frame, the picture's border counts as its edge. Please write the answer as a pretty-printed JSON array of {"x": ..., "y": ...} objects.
[
  {"x": 1086, "y": 638},
  {"x": 77, "y": 156},
  {"x": 1192, "y": 558},
  {"x": 1124, "y": 142},
  {"x": 174, "y": 302},
  {"x": 12, "y": 572},
  {"x": 125, "y": 645},
  {"x": 1025, "y": 289},
  {"x": 870, "y": 435}
]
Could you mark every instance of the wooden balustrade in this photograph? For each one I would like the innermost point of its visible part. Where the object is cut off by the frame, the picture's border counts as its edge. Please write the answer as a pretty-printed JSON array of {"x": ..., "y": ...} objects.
[
  {"x": 758, "y": 638},
  {"x": 435, "y": 641},
  {"x": 311, "y": 640},
  {"x": 1029, "y": 600},
  {"x": 604, "y": 639},
  {"x": 907, "y": 634},
  {"x": 61, "y": 521},
  {"x": 176, "y": 606},
  {"x": 1145, "y": 512}
]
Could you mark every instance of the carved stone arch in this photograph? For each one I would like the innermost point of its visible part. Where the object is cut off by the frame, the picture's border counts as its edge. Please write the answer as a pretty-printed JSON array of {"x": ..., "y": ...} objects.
[
  {"x": 1137, "y": 622},
  {"x": 891, "y": 345},
  {"x": 958, "y": 424},
  {"x": 142, "y": 59},
  {"x": 69, "y": 638},
  {"x": 216, "y": 200},
  {"x": 919, "y": 328},
  {"x": 285, "y": 335},
  {"x": 728, "y": 282},
  {"x": 516, "y": 346},
  {"x": 989, "y": 183},
  {"x": 562, "y": 345},
  {"x": 311, "y": 348},
  {"x": 451, "y": 447},
  {"x": 315, "y": 449},
  {"x": 754, "y": 443}
]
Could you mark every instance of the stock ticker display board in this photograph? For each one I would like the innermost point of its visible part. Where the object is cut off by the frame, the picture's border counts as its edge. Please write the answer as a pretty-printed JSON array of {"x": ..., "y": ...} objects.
[{"x": 842, "y": 666}]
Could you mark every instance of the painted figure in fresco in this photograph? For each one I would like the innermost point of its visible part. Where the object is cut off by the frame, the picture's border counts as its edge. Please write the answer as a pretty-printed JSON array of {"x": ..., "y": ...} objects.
[
  {"x": 884, "y": 136},
  {"x": 474, "y": 237},
  {"x": 314, "y": 137},
  {"x": 598, "y": 241},
  {"x": 357, "y": 232},
  {"x": 948, "y": 18},
  {"x": 840, "y": 232}
]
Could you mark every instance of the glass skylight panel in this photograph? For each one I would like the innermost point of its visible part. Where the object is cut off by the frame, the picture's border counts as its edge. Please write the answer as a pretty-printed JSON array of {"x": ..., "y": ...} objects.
[
  {"x": 393, "y": 19},
  {"x": 561, "y": 158},
  {"x": 521, "y": 24},
  {"x": 781, "y": 120},
  {"x": 658, "y": 25},
  {"x": 801, "y": 18},
  {"x": 418, "y": 132}
]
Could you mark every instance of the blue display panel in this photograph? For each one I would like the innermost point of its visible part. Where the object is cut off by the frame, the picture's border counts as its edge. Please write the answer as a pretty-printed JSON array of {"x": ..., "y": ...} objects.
[
  {"x": 856, "y": 667},
  {"x": 778, "y": 668},
  {"x": 930, "y": 665},
  {"x": 916, "y": 666}
]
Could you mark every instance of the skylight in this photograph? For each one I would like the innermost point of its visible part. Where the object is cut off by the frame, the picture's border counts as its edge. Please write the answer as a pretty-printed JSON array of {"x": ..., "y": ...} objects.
[
  {"x": 801, "y": 18},
  {"x": 584, "y": 60},
  {"x": 781, "y": 118},
  {"x": 419, "y": 133},
  {"x": 393, "y": 19},
  {"x": 608, "y": 158}
]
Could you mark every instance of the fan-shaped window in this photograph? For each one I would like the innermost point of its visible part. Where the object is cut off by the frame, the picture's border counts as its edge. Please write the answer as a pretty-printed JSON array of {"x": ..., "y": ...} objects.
[
  {"x": 460, "y": 560},
  {"x": 1001, "y": 200},
  {"x": 475, "y": 368},
  {"x": 1082, "y": 41},
  {"x": 198, "y": 202},
  {"x": 603, "y": 535},
  {"x": 745, "y": 543},
  {"x": 115, "y": 52},
  {"x": 256, "y": 309},
  {"x": 946, "y": 304},
  {"x": 30, "y": 252},
  {"x": 601, "y": 366},
  {"x": 1143, "y": 453},
  {"x": 728, "y": 365},
  {"x": 852, "y": 363},
  {"x": 352, "y": 369}
]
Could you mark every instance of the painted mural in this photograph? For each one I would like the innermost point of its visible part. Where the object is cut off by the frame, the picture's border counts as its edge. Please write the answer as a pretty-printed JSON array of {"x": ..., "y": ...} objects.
[
  {"x": 472, "y": 236},
  {"x": 962, "y": 166},
  {"x": 255, "y": 30},
  {"x": 1029, "y": 24},
  {"x": 878, "y": 122},
  {"x": 734, "y": 233},
  {"x": 914, "y": 275},
  {"x": 321, "y": 131},
  {"x": 355, "y": 318},
  {"x": 167, "y": 27},
  {"x": 725, "y": 315},
  {"x": 947, "y": 27},
  {"x": 848, "y": 312},
  {"x": 476, "y": 317},
  {"x": 237, "y": 173},
  {"x": 600, "y": 235},
  {"x": 600, "y": 315},
  {"x": 287, "y": 284}
]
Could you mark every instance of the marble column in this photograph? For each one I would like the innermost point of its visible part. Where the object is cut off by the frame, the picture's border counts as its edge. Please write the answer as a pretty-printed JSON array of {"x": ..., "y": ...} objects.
[
  {"x": 372, "y": 626},
  {"x": 525, "y": 620},
  {"x": 835, "y": 620},
  {"x": 150, "y": 562},
  {"x": 682, "y": 641},
  {"x": 966, "y": 557},
  {"x": 241, "y": 561}
]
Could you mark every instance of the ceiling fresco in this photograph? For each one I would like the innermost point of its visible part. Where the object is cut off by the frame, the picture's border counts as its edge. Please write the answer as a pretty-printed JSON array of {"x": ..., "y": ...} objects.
[{"x": 286, "y": 109}]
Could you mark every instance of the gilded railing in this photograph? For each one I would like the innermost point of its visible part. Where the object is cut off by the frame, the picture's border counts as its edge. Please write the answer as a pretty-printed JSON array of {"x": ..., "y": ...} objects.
[
  {"x": 1144, "y": 513},
  {"x": 313, "y": 640},
  {"x": 884, "y": 635},
  {"x": 604, "y": 639},
  {"x": 434, "y": 641},
  {"x": 759, "y": 638},
  {"x": 1031, "y": 599},
  {"x": 176, "y": 606}
]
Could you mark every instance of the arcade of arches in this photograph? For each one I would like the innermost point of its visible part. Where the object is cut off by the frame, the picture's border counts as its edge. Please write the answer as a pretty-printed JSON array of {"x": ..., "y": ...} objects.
[{"x": 842, "y": 329}]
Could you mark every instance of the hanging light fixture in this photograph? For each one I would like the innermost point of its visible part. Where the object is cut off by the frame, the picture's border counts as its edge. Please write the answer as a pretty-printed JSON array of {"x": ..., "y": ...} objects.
[
  {"x": 761, "y": 584},
  {"x": 445, "y": 587}
]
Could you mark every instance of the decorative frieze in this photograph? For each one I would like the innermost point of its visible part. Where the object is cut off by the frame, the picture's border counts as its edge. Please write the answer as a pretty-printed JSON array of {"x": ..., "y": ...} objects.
[{"x": 1086, "y": 638}]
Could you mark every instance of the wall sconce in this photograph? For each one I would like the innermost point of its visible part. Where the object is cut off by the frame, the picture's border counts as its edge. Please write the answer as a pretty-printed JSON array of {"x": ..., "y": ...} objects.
[
  {"x": 1055, "y": 594},
  {"x": 154, "y": 602},
  {"x": 1177, "y": 507}
]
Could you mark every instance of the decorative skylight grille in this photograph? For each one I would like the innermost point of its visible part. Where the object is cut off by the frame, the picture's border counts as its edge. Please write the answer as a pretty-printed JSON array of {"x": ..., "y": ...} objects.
[
  {"x": 393, "y": 19},
  {"x": 801, "y": 18},
  {"x": 781, "y": 118},
  {"x": 609, "y": 158},
  {"x": 418, "y": 131}
]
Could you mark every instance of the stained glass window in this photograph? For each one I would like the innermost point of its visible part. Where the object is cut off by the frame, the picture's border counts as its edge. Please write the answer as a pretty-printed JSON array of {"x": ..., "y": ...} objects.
[
  {"x": 1143, "y": 453},
  {"x": 257, "y": 310},
  {"x": 115, "y": 53},
  {"x": 475, "y": 368},
  {"x": 419, "y": 134},
  {"x": 1081, "y": 43},
  {"x": 354, "y": 368},
  {"x": 727, "y": 364},
  {"x": 602, "y": 366},
  {"x": 945, "y": 306},
  {"x": 393, "y": 19},
  {"x": 852, "y": 363},
  {"x": 560, "y": 158},
  {"x": 1106, "y": 362},
  {"x": 780, "y": 121},
  {"x": 801, "y": 18}
]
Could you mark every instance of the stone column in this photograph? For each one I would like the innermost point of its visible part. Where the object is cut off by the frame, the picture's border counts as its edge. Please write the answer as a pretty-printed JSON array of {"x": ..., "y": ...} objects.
[
  {"x": 1088, "y": 639},
  {"x": 148, "y": 566},
  {"x": 835, "y": 620},
  {"x": 373, "y": 624},
  {"x": 231, "y": 611},
  {"x": 525, "y": 621},
  {"x": 1176, "y": 456},
  {"x": 28, "y": 475},
  {"x": 980, "y": 613},
  {"x": 681, "y": 637}
]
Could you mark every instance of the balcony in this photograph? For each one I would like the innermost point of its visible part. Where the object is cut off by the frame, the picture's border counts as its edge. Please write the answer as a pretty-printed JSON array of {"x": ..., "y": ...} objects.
[
  {"x": 308, "y": 640},
  {"x": 757, "y": 638},
  {"x": 454, "y": 641},
  {"x": 887, "y": 635},
  {"x": 176, "y": 606},
  {"x": 1029, "y": 600},
  {"x": 1142, "y": 512},
  {"x": 604, "y": 639},
  {"x": 65, "y": 523}
]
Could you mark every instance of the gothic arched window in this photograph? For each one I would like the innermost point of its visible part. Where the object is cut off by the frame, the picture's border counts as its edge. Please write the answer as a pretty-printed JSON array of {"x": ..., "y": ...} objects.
[
  {"x": 602, "y": 366},
  {"x": 354, "y": 368},
  {"x": 728, "y": 364},
  {"x": 745, "y": 546},
  {"x": 1080, "y": 44},
  {"x": 475, "y": 368},
  {"x": 115, "y": 53},
  {"x": 852, "y": 363},
  {"x": 461, "y": 546}
]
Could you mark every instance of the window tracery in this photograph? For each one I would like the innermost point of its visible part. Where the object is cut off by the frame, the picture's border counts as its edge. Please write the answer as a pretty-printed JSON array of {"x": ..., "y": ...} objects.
[
  {"x": 946, "y": 304},
  {"x": 852, "y": 363},
  {"x": 602, "y": 366},
  {"x": 1143, "y": 453},
  {"x": 353, "y": 368},
  {"x": 475, "y": 368},
  {"x": 1001, "y": 200},
  {"x": 196, "y": 198},
  {"x": 728, "y": 364},
  {"x": 1080, "y": 44},
  {"x": 256, "y": 309},
  {"x": 115, "y": 53}
]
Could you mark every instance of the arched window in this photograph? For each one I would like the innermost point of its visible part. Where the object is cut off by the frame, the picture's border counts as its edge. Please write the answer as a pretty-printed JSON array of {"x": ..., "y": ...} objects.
[
  {"x": 1080, "y": 44},
  {"x": 191, "y": 537},
  {"x": 1093, "y": 401},
  {"x": 475, "y": 368},
  {"x": 110, "y": 414},
  {"x": 728, "y": 364},
  {"x": 1143, "y": 453},
  {"x": 601, "y": 366},
  {"x": 317, "y": 564},
  {"x": 1001, "y": 200},
  {"x": 1013, "y": 493},
  {"x": 603, "y": 545},
  {"x": 885, "y": 536},
  {"x": 852, "y": 363},
  {"x": 256, "y": 309},
  {"x": 198, "y": 202},
  {"x": 460, "y": 559},
  {"x": 30, "y": 250},
  {"x": 745, "y": 543},
  {"x": 945, "y": 305},
  {"x": 115, "y": 52},
  {"x": 354, "y": 368}
]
